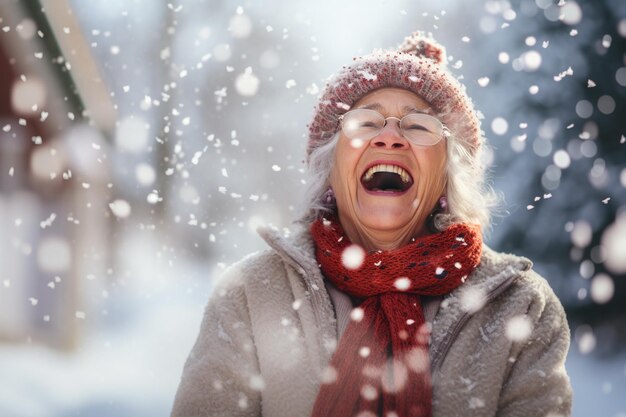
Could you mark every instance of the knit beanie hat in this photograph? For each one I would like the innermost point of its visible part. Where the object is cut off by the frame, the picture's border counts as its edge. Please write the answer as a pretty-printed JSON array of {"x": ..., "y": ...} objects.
[{"x": 418, "y": 65}]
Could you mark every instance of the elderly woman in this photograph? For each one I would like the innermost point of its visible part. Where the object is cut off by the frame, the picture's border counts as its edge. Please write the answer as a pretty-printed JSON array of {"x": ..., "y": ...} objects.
[{"x": 386, "y": 302}]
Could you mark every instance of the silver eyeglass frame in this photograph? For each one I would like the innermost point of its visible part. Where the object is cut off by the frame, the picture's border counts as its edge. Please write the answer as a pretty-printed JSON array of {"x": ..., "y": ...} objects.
[{"x": 445, "y": 132}]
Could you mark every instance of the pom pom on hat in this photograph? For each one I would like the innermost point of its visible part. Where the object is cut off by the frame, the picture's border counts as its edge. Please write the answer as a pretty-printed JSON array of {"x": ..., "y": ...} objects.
[{"x": 419, "y": 44}]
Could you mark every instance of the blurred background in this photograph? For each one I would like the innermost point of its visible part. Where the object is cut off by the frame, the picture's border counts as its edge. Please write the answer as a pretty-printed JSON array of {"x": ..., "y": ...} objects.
[{"x": 143, "y": 141}]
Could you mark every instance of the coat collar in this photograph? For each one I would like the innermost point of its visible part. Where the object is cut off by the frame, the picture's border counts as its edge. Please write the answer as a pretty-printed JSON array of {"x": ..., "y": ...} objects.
[
  {"x": 295, "y": 247},
  {"x": 298, "y": 250}
]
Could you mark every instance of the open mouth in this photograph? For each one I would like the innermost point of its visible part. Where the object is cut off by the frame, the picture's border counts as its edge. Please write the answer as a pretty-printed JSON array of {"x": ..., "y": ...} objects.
[{"x": 386, "y": 178}]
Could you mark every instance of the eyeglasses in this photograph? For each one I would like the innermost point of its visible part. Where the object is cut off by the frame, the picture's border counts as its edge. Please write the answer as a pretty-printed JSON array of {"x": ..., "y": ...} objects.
[{"x": 418, "y": 128}]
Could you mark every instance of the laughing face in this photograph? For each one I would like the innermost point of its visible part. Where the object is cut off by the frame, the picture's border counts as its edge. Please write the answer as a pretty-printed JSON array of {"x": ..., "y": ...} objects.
[{"x": 386, "y": 187}]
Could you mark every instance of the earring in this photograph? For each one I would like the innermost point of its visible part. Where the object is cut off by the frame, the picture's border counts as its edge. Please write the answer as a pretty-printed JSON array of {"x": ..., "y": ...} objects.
[
  {"x": 329, "y": 197},
  {"x": 442, "y": 207},
  {"x": 443, "y": 203}
]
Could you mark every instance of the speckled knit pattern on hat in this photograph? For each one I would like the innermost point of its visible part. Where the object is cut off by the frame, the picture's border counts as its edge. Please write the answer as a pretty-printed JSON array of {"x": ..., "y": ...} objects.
[{"x": 418, "y": 65}]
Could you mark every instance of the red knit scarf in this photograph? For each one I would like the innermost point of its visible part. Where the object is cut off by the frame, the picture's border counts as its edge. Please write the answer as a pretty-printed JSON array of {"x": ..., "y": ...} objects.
[{"x": 381, "y": 365}]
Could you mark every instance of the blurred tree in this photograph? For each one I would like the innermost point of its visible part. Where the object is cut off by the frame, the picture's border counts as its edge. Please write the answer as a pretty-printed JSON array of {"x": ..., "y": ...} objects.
[{"x": 587, "y": 118}]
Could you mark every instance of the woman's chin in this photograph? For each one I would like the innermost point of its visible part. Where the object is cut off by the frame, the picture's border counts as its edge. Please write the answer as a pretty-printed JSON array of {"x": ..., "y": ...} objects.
[{"x": 386, "y": 217}]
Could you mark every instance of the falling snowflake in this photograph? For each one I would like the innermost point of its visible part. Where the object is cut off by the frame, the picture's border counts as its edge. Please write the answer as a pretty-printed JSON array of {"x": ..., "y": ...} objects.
[
  {"x": 247, "y": 83},
  {"x": 518, "y": 328},
  {"x": 530, "y": 61},
  {"x": 581, "y": 233},
  {"x": 329, "y": 375},
  {"x": 120, "y": 208},
  {"x": 614, "y": 243},
  {"x": 602, "y": 288},
  {"x": 313, "y": 89},
  {"x": 48, "y": 222},
  {"x": 499, "y": 125},
  {"x": 173, "y": 8},
  {"x": 240, "y": 26},
  {"x": 369, "y": 393},
  {"x": 132, "y": 134},
  {"x": 196, "y": 157},
  {"x": 402, "y": 283},
  {"x": 417, "y": 360},
  {"x": 473, "y": 299},
  {"x": 257, "y": 383},
  {"x": 563, "y": 74},
  {"x": 352, "y": 257},
  {"x": 475, "y": 402},
  {"x": 395, "y": 378},
  {"x": 357, "y": 314},
  {"x": 153, "y": 197},
  {"x": 357, "y": 143},
  {"x": 585, "y": 339},
  {"x": 242, "y": 402},
  {"x": 144, "y": 173}
]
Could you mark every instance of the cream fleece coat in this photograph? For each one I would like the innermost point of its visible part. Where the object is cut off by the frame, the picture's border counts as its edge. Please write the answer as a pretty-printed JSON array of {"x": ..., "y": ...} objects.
[{"x": 498, "y": 342}]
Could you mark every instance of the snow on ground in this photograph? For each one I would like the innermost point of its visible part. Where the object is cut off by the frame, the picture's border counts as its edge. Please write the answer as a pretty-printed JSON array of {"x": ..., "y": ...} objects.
[
  {"x": 599, "y": 384},
  {"x": 129, "y": 362}
]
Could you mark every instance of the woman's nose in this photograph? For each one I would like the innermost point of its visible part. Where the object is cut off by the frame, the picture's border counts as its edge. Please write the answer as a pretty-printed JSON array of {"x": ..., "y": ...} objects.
[{"x": 390, "y": 137}]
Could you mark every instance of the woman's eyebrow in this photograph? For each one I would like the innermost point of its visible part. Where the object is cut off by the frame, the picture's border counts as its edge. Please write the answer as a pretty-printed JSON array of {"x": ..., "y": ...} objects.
[
  {"x": 405, "y": 109},
  {"x": 425, "y": 110},
  {"x": 371, "y": 106}
]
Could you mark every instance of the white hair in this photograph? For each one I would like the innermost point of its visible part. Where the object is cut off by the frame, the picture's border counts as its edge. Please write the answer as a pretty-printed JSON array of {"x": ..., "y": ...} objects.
[
  {"x": 320, "y": 164},
  {"x": 470, "y": 198}
]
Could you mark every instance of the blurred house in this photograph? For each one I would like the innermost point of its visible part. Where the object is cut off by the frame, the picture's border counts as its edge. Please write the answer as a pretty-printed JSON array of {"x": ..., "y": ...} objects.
[{"x": 55, "y": 116}]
